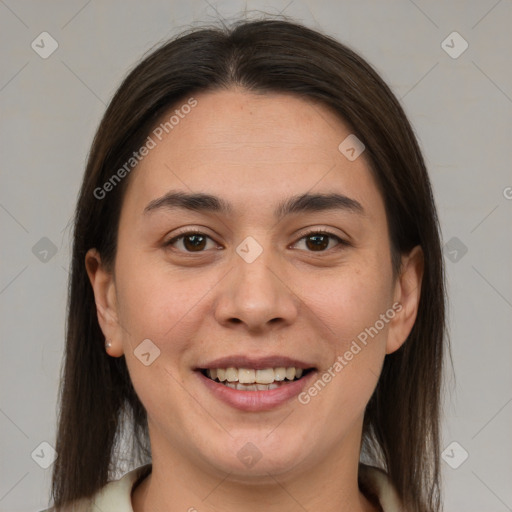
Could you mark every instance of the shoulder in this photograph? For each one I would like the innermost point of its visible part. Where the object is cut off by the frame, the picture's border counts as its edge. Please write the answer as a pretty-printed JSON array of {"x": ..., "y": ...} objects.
[
  {"x": 113, "y": 497},
  {"x": 376, "y": 485}
]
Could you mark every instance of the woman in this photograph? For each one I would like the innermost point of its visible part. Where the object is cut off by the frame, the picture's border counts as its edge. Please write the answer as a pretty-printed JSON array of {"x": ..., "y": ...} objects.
[{"x": 257, "y": 291}]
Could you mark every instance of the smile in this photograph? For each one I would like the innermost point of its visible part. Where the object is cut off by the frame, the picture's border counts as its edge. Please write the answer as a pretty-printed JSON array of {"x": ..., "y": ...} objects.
[
  {"x": 249, "y": 379},
  {"x": 255, "y": 384}
]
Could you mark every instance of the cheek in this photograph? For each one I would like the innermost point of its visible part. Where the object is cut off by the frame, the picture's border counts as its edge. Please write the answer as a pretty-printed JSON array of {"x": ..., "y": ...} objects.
[
  {"x": 349, "y": 301},
  {"x": 161, "y": 303},
  {"x": 161, "y": 306},
  {"x": 352, "y": 309},
  {"x": 147, "y": 304}
]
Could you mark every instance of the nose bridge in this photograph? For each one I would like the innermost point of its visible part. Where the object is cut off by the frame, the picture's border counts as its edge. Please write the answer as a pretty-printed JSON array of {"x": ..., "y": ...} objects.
[{"x": 254, "y": 294}]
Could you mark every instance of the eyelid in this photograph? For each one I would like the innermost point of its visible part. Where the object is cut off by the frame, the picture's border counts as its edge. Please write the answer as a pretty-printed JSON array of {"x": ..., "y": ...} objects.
[
  {"x": 310, "y": 231},
  {"x": 322, "y": 231},
  {"x": 188, "y": 231}
]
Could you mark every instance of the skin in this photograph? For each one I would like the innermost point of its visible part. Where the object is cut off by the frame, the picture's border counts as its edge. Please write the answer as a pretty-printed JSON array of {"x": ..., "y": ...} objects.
[{"x": 253, "y": 151}]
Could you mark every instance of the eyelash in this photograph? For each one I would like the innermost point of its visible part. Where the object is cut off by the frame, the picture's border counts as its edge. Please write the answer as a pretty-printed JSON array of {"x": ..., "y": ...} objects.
[{"x": 340, "y": 241}]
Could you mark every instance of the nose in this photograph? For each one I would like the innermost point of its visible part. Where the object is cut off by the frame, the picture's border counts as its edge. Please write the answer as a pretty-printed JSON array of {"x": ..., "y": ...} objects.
[{"x": 258, "y": 296}]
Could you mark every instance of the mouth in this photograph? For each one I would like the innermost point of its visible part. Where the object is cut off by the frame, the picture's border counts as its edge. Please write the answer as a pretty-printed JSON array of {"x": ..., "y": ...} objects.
[
  {"x": 255, "y": 384},
  {"x": 253, "y": 379}
]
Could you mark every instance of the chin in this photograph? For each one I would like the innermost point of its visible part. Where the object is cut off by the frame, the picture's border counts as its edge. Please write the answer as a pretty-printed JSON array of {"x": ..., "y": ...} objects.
[{"x": 246, "y": 457}]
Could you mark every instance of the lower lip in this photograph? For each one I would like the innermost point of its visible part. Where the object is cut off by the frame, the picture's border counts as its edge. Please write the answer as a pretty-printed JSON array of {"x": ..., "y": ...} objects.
[{"x": 257, "y": 400}]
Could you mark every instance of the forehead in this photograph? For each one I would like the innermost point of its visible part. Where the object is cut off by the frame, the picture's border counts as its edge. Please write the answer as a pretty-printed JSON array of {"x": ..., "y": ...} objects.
[
  {"x": 266, "y": 125},
  {"x": 250, "y": 147}
]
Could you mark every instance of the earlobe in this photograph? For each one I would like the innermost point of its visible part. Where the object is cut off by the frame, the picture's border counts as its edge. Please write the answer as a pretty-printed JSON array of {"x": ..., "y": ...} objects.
[
  {"x": 103, "y": 285},
  {"x": 407, "y": 293}
]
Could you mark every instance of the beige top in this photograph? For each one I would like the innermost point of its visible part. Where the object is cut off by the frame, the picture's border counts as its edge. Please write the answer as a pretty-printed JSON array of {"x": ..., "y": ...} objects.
[{"x": 116, "y": 495}]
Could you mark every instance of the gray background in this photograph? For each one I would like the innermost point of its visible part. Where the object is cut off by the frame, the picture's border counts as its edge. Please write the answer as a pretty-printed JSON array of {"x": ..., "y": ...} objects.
[{"x": 461, "y": 109}]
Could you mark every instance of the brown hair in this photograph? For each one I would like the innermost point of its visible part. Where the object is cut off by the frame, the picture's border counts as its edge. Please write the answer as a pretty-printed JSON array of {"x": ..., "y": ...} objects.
[{"x": 97, "y": 401}]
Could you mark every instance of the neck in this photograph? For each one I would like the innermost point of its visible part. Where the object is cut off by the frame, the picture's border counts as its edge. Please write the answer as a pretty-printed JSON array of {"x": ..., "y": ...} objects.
[{"x": 181, "y": 485}]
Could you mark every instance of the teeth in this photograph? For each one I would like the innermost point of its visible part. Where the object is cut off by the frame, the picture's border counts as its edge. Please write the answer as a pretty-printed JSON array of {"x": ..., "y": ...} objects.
[
  {"x": 250, "y": 376},
  {"x": 231, "y": 374},
  {"x": 264, "y": 376},
  {"x": 290, "y": 373},
  {"x": 246, "y": 376},
  {"x": 252, "y": 387},
  {"x": 280, "y": 373}
]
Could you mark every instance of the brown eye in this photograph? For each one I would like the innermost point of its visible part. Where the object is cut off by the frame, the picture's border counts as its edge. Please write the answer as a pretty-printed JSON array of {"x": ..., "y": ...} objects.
[
  {"x": 190, "y": 242},
  {"x": 317, "y": 242},
  {"x": 194, "y": 242},
  {"x": 320, "y": 242}
]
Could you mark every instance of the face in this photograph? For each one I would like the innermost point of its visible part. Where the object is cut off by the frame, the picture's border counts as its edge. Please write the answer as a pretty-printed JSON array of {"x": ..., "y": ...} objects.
[{"x": 281, "y": 272}]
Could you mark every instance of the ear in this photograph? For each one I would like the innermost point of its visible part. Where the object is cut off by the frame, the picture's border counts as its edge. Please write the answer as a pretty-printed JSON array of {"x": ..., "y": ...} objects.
[
  {"x": 103, "y": 285},
  {"x": 407, "y": 293}
]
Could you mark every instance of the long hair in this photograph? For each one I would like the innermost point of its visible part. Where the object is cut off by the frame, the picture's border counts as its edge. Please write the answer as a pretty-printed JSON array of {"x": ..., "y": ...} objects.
[{"x": 98, "y": 404}]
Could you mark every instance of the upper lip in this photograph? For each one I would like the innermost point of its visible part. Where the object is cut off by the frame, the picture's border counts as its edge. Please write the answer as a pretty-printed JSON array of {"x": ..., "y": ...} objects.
[{"x": 257, "y": 363}]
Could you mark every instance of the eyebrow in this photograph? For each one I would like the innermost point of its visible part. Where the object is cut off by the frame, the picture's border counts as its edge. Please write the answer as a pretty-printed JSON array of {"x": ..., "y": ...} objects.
[{"x": 304, "y": 203}]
